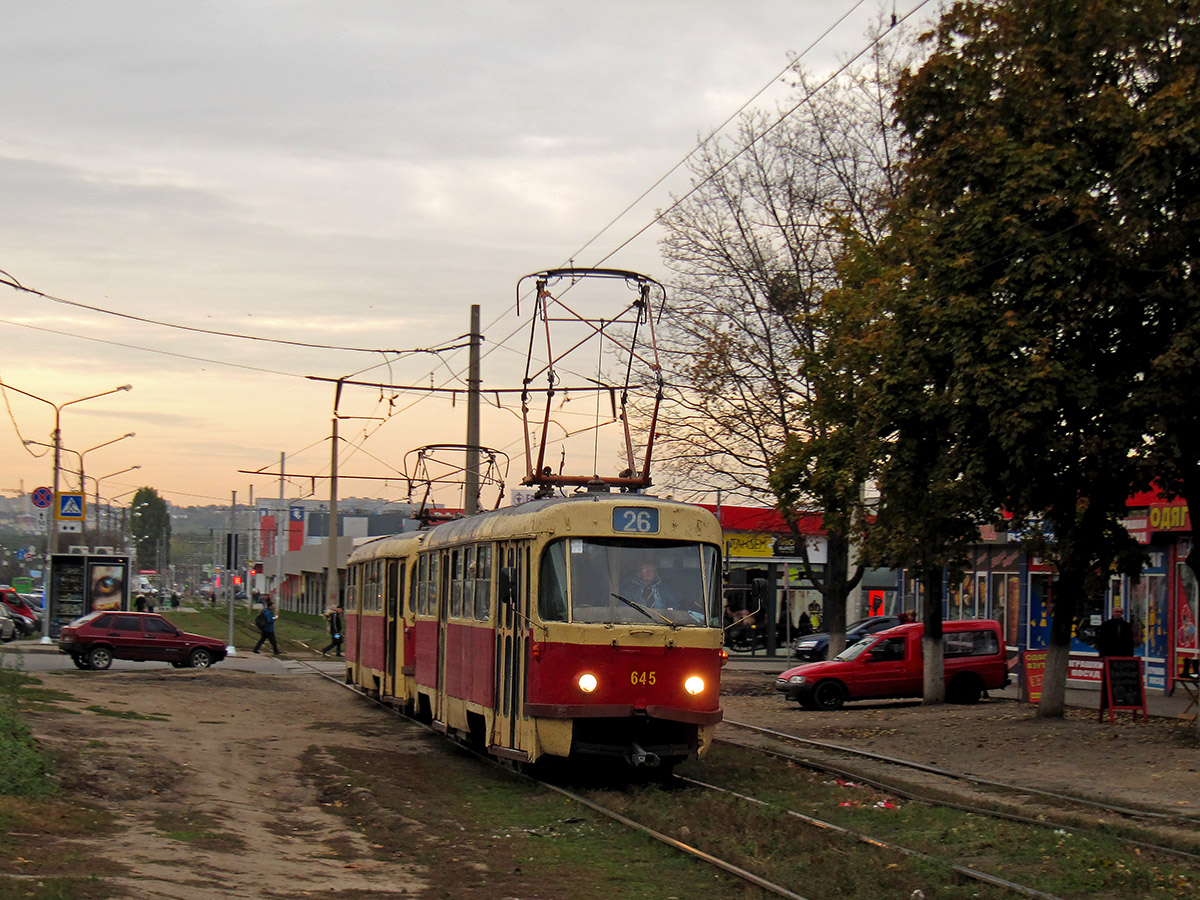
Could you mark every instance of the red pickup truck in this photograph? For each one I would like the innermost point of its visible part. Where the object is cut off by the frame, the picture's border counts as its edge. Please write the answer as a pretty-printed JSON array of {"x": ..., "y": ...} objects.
[{"x": 891, "y": 664}]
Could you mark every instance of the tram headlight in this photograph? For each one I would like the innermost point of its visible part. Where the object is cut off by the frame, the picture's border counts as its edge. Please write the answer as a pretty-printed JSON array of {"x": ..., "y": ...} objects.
[
  {"x": 694, "y": 685},
  {"x": 588, "y": 682}
]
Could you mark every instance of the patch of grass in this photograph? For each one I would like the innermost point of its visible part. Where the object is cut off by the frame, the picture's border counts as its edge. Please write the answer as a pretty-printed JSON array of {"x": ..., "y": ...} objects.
[
  {"x": 295, "y": 632},
  {"x": 127, "y": 714},
  {"x": 197, "y": 829},
  {"x": 87, "y": 887},
  {"x": 1066, "y": 862},
  {"x": 37, "y": 836},
  {"x": 505, "y": 837},
  {"x": 25, "y": 771}
]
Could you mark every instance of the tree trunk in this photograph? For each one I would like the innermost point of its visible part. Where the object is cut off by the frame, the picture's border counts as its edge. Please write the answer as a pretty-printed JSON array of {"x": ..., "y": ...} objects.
[
  {"x": 934, "y": 690},
  {"x": 835, "y": 589},
  {"x": 1067, "y": 589}
]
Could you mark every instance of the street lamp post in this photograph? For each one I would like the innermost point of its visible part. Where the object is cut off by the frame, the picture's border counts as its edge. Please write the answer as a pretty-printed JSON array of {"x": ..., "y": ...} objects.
[
  {"x": 51, "y": 530},
  {"x": 102, "y": 478},
  {"x": 97, "y": 447}
]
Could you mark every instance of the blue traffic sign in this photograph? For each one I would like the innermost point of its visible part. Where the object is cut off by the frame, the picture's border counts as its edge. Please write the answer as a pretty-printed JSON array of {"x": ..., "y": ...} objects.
[
  {"x": 70, "y": 507},
  {"x": 42, "y": 497}
]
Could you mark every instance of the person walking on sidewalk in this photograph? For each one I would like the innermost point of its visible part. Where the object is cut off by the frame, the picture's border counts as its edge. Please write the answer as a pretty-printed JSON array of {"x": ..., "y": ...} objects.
[
  {"x": 336, "y": 619},
  {"x": 266, "y": 626}
]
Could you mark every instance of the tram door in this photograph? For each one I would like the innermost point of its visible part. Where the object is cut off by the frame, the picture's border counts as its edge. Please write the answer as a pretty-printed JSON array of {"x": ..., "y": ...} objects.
[
  {"x": 392, "y": 604},
  {"x": 445, "y": 575},
  {"x": 512, "y": 638}
]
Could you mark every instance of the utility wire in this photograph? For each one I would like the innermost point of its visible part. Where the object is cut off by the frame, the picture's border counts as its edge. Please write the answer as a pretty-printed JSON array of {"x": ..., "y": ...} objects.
[
  {"x": 10, "y": 281},
  {"x": 807, "y": 98},
  {"x": 658, "y": 217}
]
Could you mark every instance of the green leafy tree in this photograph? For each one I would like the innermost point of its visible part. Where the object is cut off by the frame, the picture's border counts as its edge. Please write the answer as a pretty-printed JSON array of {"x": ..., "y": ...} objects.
[
  {"x": 1023, "y": 231},
  {"x": 150, "y": 525}
]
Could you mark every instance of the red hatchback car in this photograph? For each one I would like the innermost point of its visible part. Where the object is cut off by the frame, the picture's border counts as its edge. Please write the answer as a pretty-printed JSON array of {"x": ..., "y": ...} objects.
[{"x": 95, "y": 640}]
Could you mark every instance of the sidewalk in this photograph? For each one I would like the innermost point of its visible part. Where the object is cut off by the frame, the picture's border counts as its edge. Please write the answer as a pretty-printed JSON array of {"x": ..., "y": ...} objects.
[{"x": 1157, "y": 703}]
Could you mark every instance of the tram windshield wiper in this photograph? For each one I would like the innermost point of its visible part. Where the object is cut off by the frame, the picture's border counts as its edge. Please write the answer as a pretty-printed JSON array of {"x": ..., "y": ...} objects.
[{"x": 648, "y": 613}]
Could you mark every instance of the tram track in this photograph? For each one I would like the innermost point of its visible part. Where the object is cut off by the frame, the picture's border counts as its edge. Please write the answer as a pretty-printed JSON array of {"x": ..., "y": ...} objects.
[
  {"x": 1006, "y": 886},
  {"x": 519, "y": 772},
  {"x": 1058, "y": 810},
  {"x": 1052, "y": 796}
]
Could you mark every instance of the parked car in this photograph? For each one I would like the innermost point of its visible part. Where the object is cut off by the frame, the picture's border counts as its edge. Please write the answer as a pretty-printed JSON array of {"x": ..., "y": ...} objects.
[
  {"x": 27, "y": 619},
  {"x": 815, "y": 647},
  {"x": 8, "y": 628},
  {"x": 95, "y": 640},
  {"x": 891, "y": 664}
]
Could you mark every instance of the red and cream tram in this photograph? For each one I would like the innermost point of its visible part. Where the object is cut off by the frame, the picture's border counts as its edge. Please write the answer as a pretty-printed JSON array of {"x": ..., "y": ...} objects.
[{"x": 569, "y": 627}]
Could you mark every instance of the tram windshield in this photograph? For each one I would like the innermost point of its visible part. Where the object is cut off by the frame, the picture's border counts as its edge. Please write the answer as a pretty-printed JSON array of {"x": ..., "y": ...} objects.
[{"x": 624, "y": 581}]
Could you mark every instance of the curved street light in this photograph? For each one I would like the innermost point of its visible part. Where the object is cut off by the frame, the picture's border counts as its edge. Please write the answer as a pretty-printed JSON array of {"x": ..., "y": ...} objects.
[
  {"x": 96, "y": 505},
  {"x": 97, "y": 447},
  {"x": 80, "y": 454},
  {"x": 51, "y": 530}
]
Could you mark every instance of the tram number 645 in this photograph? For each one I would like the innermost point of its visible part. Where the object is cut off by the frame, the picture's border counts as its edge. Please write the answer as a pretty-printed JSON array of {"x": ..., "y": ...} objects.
[{"x": 642, "y": 677}]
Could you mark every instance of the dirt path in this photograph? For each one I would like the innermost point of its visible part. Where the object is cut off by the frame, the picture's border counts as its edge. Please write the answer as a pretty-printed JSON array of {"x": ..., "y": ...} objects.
[
  {"x": 223, "y": 783},
  {"x": 209, "y": 789}
]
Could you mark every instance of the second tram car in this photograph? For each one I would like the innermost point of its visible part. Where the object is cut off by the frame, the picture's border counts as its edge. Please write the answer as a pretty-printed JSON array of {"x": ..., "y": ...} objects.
[{"x": 566, "y": 627}]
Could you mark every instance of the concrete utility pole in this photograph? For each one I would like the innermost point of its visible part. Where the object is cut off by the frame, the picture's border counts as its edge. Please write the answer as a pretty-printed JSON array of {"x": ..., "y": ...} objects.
[
  {"x": 332, "y": 593},
  {"x": 279, "y": 534},
  {"x": 471, "y": 479},
  {"x": 229, "y": 564}
]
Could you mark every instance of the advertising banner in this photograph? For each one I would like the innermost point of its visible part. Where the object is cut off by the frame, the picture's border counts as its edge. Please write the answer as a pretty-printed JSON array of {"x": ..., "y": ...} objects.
[{"x": 1033, "y": 664}]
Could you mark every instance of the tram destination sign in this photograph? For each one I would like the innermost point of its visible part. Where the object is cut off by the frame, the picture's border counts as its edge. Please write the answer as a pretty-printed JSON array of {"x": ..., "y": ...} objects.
[{"x": 635, "y": 520}]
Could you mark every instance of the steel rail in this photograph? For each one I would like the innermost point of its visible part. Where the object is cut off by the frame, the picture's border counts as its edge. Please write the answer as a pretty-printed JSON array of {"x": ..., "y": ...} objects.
[
  {"x": 678, "y": 845},
  {"x": 696, "y": 852},
  {"x": 971, "y": 779},
  {"x": 978, "y": 810},
  {"x": 966, "y": 871}
]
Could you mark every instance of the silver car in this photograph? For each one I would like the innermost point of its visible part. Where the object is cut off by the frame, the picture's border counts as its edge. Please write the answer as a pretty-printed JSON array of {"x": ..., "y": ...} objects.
[{"x": 8, "y": 628}]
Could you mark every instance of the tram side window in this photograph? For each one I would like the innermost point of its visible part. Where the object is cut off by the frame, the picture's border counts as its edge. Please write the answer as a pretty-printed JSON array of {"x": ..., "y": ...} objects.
[
  {"x": 423, "y": 585},
  {"x": 420, "y": 588},
  {"x": 457, "y": 558},
  {"x": 352, "y": 588},
  {"x": 552, "y": 591},
  {"x": 468, "y": 610},
  {"x": 376, "y": 597},
  {"x": 483, "y": 581},
  {"x": 435, "y": 585}
]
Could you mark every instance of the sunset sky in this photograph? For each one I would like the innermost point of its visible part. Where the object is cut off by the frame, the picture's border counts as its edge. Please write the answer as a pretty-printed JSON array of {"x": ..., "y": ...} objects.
[{"x": 345, "y": 174}]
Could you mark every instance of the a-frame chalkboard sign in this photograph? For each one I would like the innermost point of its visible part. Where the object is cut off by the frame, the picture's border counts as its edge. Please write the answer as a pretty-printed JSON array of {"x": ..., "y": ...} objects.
[{"x": 1122, "y": 687}]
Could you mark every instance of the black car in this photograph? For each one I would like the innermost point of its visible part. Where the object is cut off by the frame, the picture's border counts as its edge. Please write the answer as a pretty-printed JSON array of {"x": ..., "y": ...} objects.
[{"x": 815, "y": 647}]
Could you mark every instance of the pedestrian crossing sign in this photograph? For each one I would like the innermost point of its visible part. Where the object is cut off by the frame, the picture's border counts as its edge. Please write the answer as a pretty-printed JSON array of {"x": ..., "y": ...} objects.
[{"x": 70, "y": 507}]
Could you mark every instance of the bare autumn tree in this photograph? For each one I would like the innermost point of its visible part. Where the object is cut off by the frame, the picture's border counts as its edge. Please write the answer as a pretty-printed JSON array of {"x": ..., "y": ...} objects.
[{"x": 754, "y": 248}]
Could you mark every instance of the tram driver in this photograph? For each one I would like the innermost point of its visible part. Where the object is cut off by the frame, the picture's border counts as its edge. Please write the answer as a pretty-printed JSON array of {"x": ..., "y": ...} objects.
[{"x": 648, "y": 589}]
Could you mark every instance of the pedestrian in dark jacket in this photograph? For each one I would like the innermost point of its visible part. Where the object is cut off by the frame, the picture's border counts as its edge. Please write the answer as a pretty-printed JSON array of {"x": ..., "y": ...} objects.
[
  {"x": 266, "y": 626},
  {"x": 337, "y": 623},
  {"x": 1116, "y": 636}
]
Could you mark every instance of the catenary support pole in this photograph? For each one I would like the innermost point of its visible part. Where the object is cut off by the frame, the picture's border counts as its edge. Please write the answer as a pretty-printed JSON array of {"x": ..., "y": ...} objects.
[
  {"x": 471, "y": 479},
  {"x": 229, "y": 564},
  {"x": 332, "y": 597}
]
